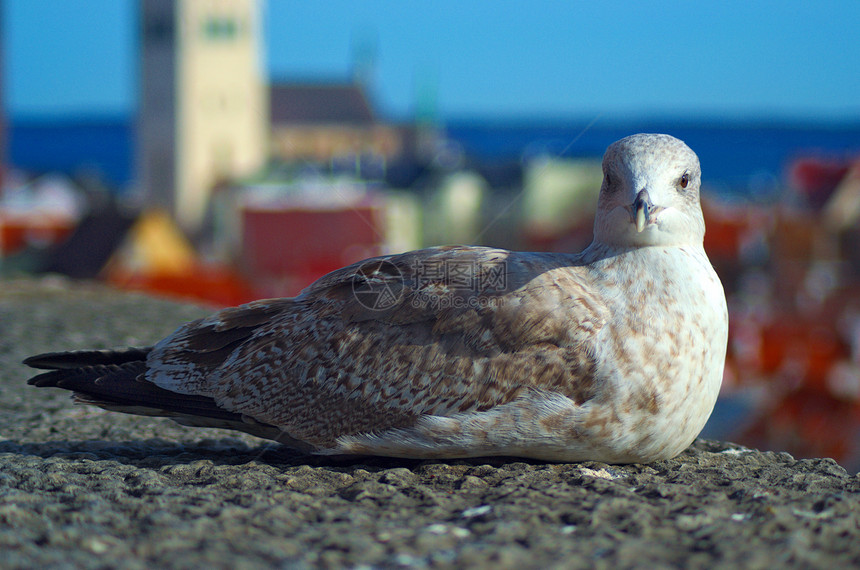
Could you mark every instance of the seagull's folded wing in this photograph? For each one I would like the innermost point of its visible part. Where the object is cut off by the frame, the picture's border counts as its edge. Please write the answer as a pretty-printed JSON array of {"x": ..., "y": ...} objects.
[{"x": 379, "y": 344}]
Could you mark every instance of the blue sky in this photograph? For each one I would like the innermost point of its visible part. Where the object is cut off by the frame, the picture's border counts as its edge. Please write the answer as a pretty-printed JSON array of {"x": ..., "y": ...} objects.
[{"x": 783, "y": 59}]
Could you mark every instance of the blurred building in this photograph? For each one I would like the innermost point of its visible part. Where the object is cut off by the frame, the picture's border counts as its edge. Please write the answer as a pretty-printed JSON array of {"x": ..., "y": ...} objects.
[
  {"x": 559, "y": 202},
  {"x": 326, "y": 122},
  {"x": 203, "y": 111}
]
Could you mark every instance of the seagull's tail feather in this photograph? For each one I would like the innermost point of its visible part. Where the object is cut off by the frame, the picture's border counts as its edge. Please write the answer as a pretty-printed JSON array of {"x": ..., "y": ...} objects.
[{"x": 116, "y": 381}]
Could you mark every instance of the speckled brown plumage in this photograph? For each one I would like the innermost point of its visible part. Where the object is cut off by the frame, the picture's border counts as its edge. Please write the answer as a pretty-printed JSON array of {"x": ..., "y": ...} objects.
[{"x": 614, "y": 354}]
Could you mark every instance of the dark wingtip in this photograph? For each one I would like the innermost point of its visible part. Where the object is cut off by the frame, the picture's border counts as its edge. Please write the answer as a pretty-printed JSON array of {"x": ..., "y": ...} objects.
[
  {"x": 40, "y": 360},
  {"x": 46, "y": 379},
  {"x": 81, "y": 358}
]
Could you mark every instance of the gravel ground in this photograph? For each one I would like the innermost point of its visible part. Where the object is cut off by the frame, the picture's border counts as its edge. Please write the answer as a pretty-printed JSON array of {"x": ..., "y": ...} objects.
[{"x": 80, "y": 487}]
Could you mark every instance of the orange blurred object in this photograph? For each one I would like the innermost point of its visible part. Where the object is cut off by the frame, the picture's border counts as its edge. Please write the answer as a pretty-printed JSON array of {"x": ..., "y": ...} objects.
[{"x": 210, "y": 285}]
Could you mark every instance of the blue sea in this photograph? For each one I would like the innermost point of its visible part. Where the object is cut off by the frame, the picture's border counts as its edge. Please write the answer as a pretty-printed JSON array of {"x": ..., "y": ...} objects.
[
  {"x": 737, "y": 157},
  {"x": 103, "y": 146}
]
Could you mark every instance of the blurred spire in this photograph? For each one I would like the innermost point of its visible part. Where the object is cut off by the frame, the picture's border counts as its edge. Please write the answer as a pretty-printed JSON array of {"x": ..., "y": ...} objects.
[{"x": 364, "y": 59}]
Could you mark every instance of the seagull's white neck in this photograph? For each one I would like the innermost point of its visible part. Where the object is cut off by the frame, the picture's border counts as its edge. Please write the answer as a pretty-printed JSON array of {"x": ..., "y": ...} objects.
[{"x": 598, "y": 250}]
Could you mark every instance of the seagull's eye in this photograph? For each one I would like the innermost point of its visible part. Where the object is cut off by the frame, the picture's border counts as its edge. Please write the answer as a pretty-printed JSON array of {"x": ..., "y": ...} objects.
[{"x": 685, "y": 180}]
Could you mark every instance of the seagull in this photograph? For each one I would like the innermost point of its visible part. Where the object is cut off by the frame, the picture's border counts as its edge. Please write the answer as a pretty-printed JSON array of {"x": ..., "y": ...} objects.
[{"x": 614, "y": 354}]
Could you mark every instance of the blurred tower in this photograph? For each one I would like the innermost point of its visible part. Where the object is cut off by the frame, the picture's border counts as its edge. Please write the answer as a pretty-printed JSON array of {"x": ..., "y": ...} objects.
[{"x": 203, "y": 108}]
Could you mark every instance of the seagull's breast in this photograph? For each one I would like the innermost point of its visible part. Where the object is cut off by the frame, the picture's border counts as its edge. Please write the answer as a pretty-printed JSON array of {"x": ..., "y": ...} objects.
[{"x": 664, "y": 349}]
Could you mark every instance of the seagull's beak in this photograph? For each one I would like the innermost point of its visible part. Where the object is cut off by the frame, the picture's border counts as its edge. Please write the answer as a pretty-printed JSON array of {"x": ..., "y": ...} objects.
[{"x": 641, "y": 209}]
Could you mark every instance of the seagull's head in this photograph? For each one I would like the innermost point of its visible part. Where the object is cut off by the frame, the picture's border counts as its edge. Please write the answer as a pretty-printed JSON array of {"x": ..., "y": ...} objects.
[{"x": 650, "y": 194}]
